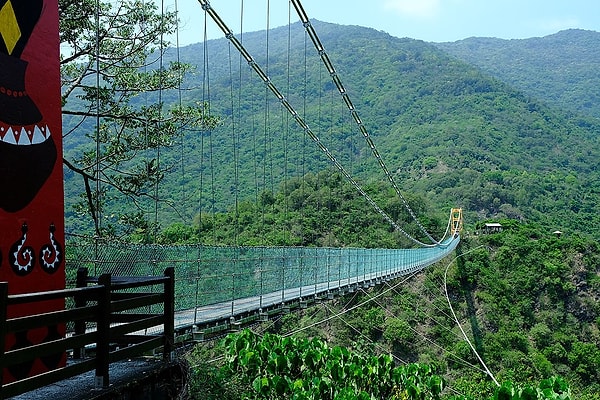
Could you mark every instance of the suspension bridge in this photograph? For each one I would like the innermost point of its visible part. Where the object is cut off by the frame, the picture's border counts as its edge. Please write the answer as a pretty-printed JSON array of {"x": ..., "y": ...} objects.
[{"x": 217, "y": 284}]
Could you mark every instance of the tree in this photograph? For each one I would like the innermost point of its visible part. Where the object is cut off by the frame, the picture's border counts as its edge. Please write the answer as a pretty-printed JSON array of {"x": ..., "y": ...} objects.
[{"x": 114, "y": 81}]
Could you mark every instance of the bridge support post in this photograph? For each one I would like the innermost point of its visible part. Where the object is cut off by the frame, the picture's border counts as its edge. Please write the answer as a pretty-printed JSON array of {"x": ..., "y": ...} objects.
[
  {"x": 103, "y": 328},
  {"x": 79, "y": 326},
  {"x": 197, "y": 334},
  {"x": 169, "y": 314},
  {"x": 262, "y": 316},
  {"x": 234, "y": 326}
]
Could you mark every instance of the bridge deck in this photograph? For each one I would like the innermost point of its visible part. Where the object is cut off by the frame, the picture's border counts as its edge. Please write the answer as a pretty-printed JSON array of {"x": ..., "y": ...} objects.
[{"x": 224, "y": 314}]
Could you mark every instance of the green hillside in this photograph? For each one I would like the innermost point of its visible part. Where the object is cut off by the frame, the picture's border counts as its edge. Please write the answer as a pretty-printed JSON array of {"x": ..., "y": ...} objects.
[
  {"x": 527, "y": 300},
  {"x": 560, "y": 69},
  {"x": 447, "y": 131}
]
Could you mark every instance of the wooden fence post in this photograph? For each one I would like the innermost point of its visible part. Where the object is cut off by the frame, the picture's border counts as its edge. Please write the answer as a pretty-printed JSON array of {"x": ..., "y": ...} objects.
[
  {"x": 103, "y": 328},
  {"x": 80, "y": 301},
  {"x": 169, "y": 314},
  {"x": 3, "y": 314}
]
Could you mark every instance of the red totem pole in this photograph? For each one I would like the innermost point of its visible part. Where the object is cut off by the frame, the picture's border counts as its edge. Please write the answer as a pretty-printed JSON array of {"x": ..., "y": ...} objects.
[{"x": 31, "y": 178}]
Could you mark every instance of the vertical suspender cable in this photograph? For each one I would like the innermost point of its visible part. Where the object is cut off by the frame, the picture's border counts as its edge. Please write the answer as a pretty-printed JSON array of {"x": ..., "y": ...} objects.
[
  {"x": 147, "y": 116},
  {"x": 206, "y": 96},
  {"x": 270, "y": 138},
  {"x": 304, "y": 95},
  {"x": 337, "y": 81},
  {"x": 96, "y": 214},
  {"x": 254, "y": 147},
  {"x": 210, "y": 162},
  {"x": 235, "y": 151},
  {"x": 160, "y": 116},
  {"x": 302, "y": 181},
  {"x": 205, "y": 105},
  {"x": 265, "y": 135},
  {"x": 235, "y": 258},
  {"x": 97, "y": 211},
  {"x": 183, "y": 185},
  {"x": 330, "y": 180},
  {"x": 286, "y": 130},
  {"x": 205, "y": 114},
  {"x": 301, "y": 122}
]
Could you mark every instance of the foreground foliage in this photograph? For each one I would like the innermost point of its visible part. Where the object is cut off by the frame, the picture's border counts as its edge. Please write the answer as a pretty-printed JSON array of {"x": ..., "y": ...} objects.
[
  {"x": 276, "y": 367},
  {"x": 115, "y": 119}
]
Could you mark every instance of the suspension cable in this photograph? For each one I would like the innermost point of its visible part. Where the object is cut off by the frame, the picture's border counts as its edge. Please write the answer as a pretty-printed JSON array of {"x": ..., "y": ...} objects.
[
  {"x": 487, "y": 370},
  {"x": 300, "y": 121},
  {"x": 160, "y": 116},
  {"x": 338, "y": 83},
  {"x": 184, "y": 194}
]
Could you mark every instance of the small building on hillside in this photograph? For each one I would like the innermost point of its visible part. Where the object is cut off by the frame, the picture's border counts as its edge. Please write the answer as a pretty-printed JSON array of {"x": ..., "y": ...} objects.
[{"x": 492, "y": 227}]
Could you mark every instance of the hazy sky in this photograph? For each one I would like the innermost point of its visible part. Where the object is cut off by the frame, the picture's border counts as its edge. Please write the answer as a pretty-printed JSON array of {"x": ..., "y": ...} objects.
[{"x": 429, "y": 20}]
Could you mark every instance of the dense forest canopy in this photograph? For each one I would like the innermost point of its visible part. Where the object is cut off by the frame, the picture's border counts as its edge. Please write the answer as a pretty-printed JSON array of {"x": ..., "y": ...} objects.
[
  {"x": 448, "y": 131},
  {"x": 558, "y": 69}
]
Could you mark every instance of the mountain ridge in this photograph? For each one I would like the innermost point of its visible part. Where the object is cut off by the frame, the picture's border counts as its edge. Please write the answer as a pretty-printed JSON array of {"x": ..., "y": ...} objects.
[{"x": 558, "y": 68}]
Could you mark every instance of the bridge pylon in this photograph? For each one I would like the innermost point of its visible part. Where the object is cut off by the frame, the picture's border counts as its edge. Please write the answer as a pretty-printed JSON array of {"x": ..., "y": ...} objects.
[{"x": 456, "y": 220}]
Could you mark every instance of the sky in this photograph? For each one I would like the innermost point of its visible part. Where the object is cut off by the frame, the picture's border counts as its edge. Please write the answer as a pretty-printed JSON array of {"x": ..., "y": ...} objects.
[{"x": 428, "y": 20}]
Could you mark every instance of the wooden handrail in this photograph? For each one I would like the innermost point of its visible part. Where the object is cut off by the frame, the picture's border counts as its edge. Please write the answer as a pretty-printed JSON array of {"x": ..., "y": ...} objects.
[{"x": 101, "y": 305}]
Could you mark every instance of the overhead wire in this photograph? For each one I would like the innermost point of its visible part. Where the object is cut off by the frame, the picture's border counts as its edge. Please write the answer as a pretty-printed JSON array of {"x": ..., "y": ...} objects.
[
  {"x": 184, "y": 194},
  {"x": 300, "y": 329},
  {"x": 437, "y": 322},
  {"x": 380, "y": 347},
  {"x": 425, "y": 338},
  {"x": 374, "y": 299},
  {"x": 360, "y": 333},
  {"x": 487, "y": 370}
]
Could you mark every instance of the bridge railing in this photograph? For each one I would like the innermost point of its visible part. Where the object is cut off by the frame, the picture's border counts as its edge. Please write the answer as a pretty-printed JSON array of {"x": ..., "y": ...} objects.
[
  {"x": 208, "y": 275},
  {"x": 106, "y": 319}
]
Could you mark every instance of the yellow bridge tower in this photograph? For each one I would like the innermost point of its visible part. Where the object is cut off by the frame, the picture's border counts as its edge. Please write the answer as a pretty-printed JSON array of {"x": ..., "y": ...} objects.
[{"x": 457, "y": 220}]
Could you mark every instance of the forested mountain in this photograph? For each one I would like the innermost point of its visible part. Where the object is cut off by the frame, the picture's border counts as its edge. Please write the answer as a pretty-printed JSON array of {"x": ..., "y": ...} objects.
[
  {"x": 449, "y": 132},
  {"x": 560, "y": 69}
]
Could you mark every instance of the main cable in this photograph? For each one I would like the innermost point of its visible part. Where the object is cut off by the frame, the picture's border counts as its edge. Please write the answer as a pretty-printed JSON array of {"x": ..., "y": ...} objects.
[
  {"x": 300, "y": 121},
  {"x": 338, "y": 83}
]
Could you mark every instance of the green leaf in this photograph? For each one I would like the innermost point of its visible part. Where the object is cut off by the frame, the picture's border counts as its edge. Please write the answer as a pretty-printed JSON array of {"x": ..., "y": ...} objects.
[{"x": 261, "y": 385}]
